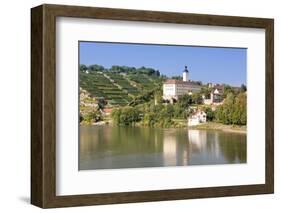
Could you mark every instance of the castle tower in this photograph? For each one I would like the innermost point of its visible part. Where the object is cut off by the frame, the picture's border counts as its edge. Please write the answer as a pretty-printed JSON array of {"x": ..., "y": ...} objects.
[{"x": 185, "y": 74}]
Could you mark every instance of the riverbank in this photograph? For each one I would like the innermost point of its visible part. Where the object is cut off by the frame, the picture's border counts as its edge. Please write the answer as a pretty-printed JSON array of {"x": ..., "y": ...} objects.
[
  {"x": 181, "y": 123},
  {"x": 219, "y": 126},
  {"x": 104, "y": 122}
]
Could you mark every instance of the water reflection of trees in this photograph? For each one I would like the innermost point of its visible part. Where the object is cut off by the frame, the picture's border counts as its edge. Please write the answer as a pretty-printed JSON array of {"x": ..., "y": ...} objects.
[
  {"x": 217, "y": 146},
  {"x": 233, "y": 146},
  {"x": 121, "y": 140}
]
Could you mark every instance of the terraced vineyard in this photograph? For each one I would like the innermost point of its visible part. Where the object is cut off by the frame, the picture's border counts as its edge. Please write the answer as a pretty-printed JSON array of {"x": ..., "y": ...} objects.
[
  {"x": 116, "y": 89},
  {"x": 123, "y": 83}
]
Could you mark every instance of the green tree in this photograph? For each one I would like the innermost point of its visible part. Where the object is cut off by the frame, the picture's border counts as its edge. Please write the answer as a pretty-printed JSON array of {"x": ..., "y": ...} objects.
[
  {"x": 206, "y": 91},
  {"x": 233, "y": 110},
  {"x": 126, "y": 116},
  {"x": 115, "y": 115},
  {"x": 240, "y": 111},
  {"x": 227, "y": 89},
  {"x": 95, "y": 68},
  {"x": 185, "y": 101},
  {"x": 210, "y": 113},
  {"x": 158, "y": 96},
  {"x": 228, "y": 108},
  {"x": 83, "y": 68},
  {"x": 178, "y": 111},
  {"x": 93, "y": 116},
  {"x": 243, "y": 88},
  {"x": 197, "y": 98},
  {"x": 149, "y": 119}
]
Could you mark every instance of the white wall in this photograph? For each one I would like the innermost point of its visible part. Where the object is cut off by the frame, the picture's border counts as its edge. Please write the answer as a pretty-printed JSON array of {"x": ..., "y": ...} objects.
[
  {"x": 15, "y": 104},
  {"x": 169, "y": 89}
]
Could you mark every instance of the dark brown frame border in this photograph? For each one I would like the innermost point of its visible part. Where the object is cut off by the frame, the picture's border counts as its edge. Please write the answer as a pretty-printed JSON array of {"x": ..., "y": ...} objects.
[{"x": 43, "y": 105}]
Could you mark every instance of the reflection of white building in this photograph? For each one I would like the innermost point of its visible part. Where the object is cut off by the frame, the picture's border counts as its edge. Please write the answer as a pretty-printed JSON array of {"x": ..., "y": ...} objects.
[
  {"x": 173, "y": 154},
  {"x": 172, "y": 88},
  {"x": 201, "y": 141},
  {"x": 197, "y": 139},
  {"x": 170, "y": 150},
  {"x": 197, "y": 118}
]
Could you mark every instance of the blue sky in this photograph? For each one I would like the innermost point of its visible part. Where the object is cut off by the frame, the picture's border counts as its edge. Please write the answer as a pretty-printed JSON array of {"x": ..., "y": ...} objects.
[{"x": 206, "y": 64}]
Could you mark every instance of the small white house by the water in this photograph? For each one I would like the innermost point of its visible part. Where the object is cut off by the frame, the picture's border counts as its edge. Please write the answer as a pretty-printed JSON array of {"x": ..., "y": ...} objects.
[{"x": 197, "y": 118}]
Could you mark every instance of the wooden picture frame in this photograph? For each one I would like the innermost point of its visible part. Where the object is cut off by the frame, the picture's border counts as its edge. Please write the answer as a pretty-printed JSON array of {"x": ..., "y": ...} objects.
[{"x": 43, "y": 105}]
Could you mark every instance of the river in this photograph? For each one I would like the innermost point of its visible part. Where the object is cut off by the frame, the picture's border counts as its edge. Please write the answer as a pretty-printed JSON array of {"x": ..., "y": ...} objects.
[{"x": 107, "y": 147}]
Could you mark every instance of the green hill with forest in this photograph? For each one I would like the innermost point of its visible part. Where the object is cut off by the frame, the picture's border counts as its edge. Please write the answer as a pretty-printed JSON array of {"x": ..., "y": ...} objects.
[{"x": 134, "y": 97}]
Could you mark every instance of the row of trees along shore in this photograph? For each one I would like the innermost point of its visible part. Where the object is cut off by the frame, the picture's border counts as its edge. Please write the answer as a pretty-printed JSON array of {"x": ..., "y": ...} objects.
[{"x": 143, "y": 110}]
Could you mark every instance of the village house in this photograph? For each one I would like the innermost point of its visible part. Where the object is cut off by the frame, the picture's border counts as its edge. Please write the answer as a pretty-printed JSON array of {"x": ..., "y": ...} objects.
[
  {"x": 216, "y": 95},
  {"x": 197, "y": 118}
]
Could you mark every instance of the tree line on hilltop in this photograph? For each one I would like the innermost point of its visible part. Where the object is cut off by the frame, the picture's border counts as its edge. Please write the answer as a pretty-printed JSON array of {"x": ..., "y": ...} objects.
[{"x": 119, "y": 69}]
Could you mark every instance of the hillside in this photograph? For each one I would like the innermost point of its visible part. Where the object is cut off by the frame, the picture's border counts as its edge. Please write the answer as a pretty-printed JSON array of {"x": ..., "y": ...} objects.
[{"x": 117, "y": 88}]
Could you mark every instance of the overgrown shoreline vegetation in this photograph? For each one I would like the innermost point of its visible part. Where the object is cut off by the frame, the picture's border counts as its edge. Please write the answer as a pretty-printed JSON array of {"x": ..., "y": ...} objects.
[
  {"x": 231, "y": 112},
  {"x": 135, "y": 94}
]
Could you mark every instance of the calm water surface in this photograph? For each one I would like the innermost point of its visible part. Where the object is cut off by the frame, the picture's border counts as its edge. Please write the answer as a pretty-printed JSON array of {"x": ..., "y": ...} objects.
[{"x": 106, "y": 147}]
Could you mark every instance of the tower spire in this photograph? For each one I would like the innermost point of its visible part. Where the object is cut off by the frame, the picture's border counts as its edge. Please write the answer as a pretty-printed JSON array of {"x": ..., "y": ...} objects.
[
  {"x": 185, "y": 69},
  {"x": 185, "y": 74}
]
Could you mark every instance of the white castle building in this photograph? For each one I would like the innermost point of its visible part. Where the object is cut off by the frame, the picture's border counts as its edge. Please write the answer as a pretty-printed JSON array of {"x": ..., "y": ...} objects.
[{"x": 172, "y": 88}]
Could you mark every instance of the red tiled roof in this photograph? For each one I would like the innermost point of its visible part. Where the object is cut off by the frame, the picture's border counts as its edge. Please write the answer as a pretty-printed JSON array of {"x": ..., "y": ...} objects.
[
  {"x": 107, "y": 110},
  {"x": 174, "y": 81}
]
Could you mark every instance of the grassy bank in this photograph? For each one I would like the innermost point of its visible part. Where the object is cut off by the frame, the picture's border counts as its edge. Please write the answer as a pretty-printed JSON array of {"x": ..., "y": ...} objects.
[
  {"x": 222, "y": 127},
  {"x": 181, "y": 123}
]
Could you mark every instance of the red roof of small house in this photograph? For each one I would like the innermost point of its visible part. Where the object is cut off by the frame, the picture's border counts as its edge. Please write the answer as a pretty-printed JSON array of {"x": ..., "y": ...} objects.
[
  {"x": 107, "y": 110},
  {"x": 198, "y": 112}
]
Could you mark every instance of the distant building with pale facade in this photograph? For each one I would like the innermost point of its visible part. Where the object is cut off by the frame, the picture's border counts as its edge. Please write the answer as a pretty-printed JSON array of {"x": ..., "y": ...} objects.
[
  {"x": 173, "y": 88},
  {"x": 216, "y": 95}
]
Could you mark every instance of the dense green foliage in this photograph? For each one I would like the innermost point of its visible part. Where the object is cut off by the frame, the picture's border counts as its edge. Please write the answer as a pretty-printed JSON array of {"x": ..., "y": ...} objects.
[
  {"x": 90, "y": 117},
  {"x": 133, "y": 70},
  {"x": 151, "y": 114},
  {"x": 206, "y": 92},
  {"x": 146, "y": 114},
  {"x": 126, "y": 115},
  {"x": 243, "y": 88},
  {"x": 209, "y": 112},
  {"x": 234, "y": 110}
]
